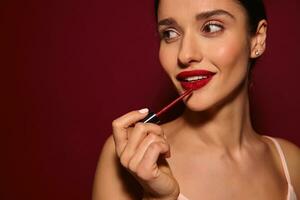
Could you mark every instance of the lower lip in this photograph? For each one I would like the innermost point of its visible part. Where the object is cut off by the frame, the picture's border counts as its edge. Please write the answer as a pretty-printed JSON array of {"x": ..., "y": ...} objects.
[{"x": 195, "y": 85}]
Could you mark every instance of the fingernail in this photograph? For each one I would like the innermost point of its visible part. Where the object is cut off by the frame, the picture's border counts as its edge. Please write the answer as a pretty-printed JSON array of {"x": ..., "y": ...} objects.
[{"x": 144, "y": 110}]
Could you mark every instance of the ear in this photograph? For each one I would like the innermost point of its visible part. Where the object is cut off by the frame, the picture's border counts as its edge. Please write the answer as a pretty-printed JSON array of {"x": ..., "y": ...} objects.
[{"x": 258, "y": 41}]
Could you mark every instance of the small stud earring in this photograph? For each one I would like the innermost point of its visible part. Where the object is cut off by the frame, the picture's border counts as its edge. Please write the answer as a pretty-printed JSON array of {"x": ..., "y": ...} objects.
[{"x": 257, "y": 53}]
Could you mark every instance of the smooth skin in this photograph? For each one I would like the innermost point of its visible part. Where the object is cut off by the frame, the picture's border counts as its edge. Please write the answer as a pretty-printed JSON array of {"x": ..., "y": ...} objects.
[{"x": 211, "y": 151}]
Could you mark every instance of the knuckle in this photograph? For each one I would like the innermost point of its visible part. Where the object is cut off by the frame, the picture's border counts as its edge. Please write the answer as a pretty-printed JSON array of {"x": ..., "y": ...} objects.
[
  {"x": 140, "y": 126},
  {"x": 161, "y": 131},
  {"x": 155, "y": 146},
  {"x": 157, "y": 127},
  {"x": 157, "y": 130},
  {"x": 124, "y": 160},
  {"x": 115, "y": 123},
  {"x": 153, "y": 137},
  {"x": 132, "y": 165}
]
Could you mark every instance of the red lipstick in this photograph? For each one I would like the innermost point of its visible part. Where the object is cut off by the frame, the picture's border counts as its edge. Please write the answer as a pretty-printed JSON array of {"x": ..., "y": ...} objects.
[
  {"x": 195, "y": 79},
  {"x": 154, "y": 117}
]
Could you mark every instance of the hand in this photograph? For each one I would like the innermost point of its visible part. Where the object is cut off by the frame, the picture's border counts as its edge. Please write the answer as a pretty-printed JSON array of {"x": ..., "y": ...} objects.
[{"x": 142, "y": 149}]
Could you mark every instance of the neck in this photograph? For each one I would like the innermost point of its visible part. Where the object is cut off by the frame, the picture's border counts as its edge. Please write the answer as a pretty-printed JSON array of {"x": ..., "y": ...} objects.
[{"x": 226, "y": 126}]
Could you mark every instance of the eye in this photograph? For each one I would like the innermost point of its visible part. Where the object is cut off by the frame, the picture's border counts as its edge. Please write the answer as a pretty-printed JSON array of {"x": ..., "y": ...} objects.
[
  {"x": 212, "y": 27},
  {"x": 169, "y": 35}
]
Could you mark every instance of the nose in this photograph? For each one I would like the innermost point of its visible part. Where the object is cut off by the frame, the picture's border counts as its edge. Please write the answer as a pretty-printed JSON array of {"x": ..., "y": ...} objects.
[{"x": 189, "y": 51}]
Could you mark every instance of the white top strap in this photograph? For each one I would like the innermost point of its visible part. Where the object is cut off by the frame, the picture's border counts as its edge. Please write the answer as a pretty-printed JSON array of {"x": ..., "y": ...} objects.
[
  {"x": 181, "y": 197},
  {"x": 282, "y": 158}
]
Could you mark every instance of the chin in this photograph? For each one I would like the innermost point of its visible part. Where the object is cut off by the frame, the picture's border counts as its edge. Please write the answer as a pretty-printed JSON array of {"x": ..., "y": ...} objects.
[
  {"x": 207, "y": 102},
  {"x": 197, "y": 106}
]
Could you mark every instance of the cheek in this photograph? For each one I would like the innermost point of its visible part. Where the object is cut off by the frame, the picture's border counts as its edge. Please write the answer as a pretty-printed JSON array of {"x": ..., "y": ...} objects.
[
  {"x": 167, "y": 58},
  {"x": 231, "y": 55}
]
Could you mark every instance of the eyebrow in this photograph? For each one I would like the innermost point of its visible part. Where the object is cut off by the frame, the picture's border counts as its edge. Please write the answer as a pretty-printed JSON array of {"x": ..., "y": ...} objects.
[
  {"x": 166, "y": 22},
  {"x": 211, "y": 13},
  {"x": 200, "y": 16}
]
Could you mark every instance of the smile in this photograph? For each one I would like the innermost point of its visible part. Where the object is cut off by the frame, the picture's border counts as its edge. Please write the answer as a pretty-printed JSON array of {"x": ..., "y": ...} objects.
[{"x": 195, "y": 79}]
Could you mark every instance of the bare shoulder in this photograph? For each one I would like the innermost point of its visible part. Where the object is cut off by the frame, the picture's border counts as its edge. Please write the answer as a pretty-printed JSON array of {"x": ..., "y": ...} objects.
[
  {"x": 292, "y": 154},
  {"x": 111, "y": 180},
  {"x": 291, "y": 151}
]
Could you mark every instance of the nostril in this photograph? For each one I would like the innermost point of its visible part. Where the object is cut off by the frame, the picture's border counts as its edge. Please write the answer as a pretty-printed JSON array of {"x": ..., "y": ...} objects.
[
  {"x": 187, "y": 63},
  {"x": 181, "y": 64}
]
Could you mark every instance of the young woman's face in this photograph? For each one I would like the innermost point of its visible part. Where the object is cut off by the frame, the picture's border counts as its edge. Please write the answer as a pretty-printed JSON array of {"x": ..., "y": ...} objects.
[{"x": 204, "y": 46}]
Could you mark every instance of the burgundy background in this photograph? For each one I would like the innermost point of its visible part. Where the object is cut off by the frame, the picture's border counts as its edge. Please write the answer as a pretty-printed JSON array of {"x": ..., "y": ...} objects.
[{"x": 69, "y": 67}]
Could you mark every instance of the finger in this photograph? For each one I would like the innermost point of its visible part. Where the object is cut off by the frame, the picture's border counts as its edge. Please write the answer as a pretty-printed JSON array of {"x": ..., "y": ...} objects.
[
  {"x": 139, "y": 132},
  {"x": 121, "y": 124},
  {"x": 148, "y": 168},
  {"x": 154, "y": 128},
  {"x": 137, "y": 155}
]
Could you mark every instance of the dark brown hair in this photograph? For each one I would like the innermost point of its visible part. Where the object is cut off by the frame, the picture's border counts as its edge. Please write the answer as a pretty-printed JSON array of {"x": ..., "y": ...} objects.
[{"x": 255, "y": 12}]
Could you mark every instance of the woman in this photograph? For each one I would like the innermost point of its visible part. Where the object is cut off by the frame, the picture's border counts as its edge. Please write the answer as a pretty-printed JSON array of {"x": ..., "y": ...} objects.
[{"x": 209, "y": 46}]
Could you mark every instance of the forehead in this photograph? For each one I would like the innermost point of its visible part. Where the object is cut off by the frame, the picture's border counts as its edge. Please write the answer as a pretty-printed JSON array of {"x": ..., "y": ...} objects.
[{"x": 189, "y": 8}]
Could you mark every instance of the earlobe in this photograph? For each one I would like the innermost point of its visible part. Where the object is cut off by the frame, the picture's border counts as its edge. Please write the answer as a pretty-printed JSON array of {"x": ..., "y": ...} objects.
[{"x": 258, "y": 41}]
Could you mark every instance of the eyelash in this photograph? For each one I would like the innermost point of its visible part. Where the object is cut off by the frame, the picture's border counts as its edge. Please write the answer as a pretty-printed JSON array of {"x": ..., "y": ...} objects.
[
  {"x": 164, "y": 34},
  {"x": 206, "y": 29},
  {"x": 208, "y": 26}
]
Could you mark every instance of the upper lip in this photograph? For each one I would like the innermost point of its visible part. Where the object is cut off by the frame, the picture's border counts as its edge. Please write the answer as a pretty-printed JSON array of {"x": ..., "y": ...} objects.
[{"x": 185, "y": 74}]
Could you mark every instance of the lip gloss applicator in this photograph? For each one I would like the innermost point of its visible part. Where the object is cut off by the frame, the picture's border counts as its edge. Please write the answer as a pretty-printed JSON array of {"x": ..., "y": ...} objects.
[{"x": 154, "y": 117}]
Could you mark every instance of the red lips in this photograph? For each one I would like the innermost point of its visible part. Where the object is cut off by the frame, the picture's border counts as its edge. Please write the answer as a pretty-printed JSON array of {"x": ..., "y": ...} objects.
[{"x": 195, "y": 79}]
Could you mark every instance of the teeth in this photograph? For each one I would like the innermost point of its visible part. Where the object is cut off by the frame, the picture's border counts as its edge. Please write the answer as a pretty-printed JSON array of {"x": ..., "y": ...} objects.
[{"x": 195, "y": 78}]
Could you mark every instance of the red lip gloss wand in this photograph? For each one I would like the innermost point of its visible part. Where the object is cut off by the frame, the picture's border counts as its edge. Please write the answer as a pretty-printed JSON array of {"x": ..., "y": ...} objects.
[{"x": 154, "y": 117}]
